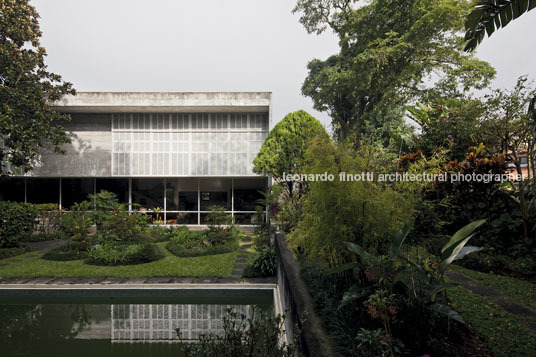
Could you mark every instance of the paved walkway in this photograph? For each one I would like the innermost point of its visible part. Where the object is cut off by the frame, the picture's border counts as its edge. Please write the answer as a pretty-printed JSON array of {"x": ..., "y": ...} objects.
[
  {"x": 48, "y": 280},
  {"x": 243, "y": 255},
  {"x": 526, "y": 316},
  {"x": 46, "y": 245}
]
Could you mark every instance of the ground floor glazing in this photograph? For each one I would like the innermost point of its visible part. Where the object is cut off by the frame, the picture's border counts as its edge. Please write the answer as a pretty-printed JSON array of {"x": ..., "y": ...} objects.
[{"x": 176, "y": 200}]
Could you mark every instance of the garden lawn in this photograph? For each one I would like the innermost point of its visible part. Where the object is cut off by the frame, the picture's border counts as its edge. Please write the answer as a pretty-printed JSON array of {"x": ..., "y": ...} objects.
[
  {"x": 219, "y": 265},
  {"x": 504, "y": 336},
  {"x": 518, "y": 290}
]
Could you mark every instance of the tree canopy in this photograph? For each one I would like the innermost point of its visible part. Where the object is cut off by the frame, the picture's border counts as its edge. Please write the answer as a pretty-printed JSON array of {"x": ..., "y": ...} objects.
[
  {"x": 284, "y": 149},
  {"x": 27, "y": 123},
  {"x": 389, "y": 50}
]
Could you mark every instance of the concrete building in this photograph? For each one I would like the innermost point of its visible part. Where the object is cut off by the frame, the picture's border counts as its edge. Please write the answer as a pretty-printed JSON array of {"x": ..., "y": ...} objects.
[{"x": 178, "y": 152}]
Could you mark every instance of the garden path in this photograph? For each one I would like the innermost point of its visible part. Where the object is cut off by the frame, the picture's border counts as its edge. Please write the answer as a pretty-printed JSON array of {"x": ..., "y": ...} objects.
[
  {"x": 525, "y": 315},
  {"x": 243, "y": 255}
]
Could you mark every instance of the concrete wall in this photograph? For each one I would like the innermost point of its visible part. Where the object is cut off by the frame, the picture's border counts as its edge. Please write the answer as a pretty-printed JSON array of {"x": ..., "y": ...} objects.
[
  {"x": 88, "y": 155},
  {"x": 100, "y": 150}
]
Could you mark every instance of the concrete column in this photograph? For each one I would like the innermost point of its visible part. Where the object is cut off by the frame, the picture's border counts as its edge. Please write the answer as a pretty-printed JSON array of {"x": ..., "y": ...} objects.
[
  {"x": 60, "y": 192},
  {"x": 129, "y": 195},
  {"x": 165, "y": 201}
]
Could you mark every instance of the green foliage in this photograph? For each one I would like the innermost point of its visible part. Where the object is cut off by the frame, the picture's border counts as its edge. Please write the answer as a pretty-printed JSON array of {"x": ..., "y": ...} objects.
[
  {"x": 105, "y": 204},
  {"x": 120, "y": 254},
  {"x": 388, "y": 50},
  {"x": 510, "y": 126},
  {"x": 503, "y": 335},
  {"x": 284, "y": 149},
  {"x": 11, "y": 252},
  {"x": 76, "y": 223},
  {"x": 27, "y": 123},
  {"x": 256, "y": 335},
  {"x": 42, "y": 237},
  {"x": 336, "y": 211},
  {"x": 394, "y": 289},
  {"x": 49, "y": 219},
  {"x": 452, "y": 125},
  {"x": 264, "y": 264},
  {"x": 124, "y": 226},
  {"x": 68, "y": 252},
  {"x": 218, "y": 219},
  {"x": 16, "y": 222},
  {"x": 377, "y": 343},
  {"x": 199, "y": 243},
  {"x": 489, "y": 15}
]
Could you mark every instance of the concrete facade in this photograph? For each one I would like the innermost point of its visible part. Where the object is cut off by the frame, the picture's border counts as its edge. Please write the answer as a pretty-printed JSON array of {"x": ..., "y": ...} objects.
[
  {"x": 200, "y": 134},
  {"x": 170, "y": 155}
]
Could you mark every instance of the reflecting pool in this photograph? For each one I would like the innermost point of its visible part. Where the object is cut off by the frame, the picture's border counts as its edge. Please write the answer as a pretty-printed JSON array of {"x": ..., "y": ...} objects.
[{"x": 92, "y": 326}]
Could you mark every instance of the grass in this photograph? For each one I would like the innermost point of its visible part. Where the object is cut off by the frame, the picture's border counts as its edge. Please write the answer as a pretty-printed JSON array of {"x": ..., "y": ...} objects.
[
  {"x": 500, "y": 330},
  {"x": 518, "y": 290},
  {"x": 219, "y": 265}
]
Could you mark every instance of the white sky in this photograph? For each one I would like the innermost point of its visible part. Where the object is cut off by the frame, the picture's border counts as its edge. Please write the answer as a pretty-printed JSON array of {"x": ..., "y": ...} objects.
[{"x": 215, "y": 45}]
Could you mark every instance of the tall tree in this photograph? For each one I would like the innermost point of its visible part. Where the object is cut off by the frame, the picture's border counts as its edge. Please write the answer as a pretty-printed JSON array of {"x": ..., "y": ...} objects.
[
  {"x": 284, "y": 149},
  {"x": 509, "y": 125},
  {"x": 490, "y": 15},
  {"x": 27, "y": 123},
  {"x": 389, "y": 50}
]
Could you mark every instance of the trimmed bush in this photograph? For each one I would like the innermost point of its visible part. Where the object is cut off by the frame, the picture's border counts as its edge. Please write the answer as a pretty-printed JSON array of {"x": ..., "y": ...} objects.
[
  {"x": 11, "y": 252},
  {"x": 16, "y": 222},
  {"x": 65, "y": 253},
  {"x": 199, "y": 243},
  {"x": 110, "y": 254}
]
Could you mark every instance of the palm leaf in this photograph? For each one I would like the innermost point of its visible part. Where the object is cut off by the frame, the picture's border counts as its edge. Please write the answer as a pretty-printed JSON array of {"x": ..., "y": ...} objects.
[{"x": 488, "y": 16}]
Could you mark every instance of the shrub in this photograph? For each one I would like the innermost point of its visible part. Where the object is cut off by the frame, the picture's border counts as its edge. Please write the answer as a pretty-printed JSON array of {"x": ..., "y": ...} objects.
[
  {"x": 198, "y": 243},
  {"x": 41, "y": 237},
  {"x": 264, "y": 264},
  {"x": 13, "y": 251},
  {"x": 64, "y": 253},
  {"x": 364, "y": 212},
  {"x": 257, "y": 334},
  {"x": 218, "y": 220},
  {"x": 105, "y": 204},
  {"x": 124, "y": 225},
  {"x": 162, "y": 234},
  {"x": 48, "y": 218},
  {"x": 76, "y": 223},
  {"x": 114, "y": 254},
  {"x": 16, "y": 222}
]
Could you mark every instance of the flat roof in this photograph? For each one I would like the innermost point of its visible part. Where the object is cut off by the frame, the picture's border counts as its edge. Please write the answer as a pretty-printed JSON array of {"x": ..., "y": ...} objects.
[{"x": 162, "y": 102}]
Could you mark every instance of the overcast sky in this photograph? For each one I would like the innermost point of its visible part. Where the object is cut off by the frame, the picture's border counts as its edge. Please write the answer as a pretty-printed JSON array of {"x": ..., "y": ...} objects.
[{"x": 215, "y": 45}]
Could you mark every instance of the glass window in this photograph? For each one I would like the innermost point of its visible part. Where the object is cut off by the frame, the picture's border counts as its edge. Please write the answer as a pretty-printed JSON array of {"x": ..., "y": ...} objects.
[
  {"x": 12, "y": 189},
  {"x": 117, "y": 186},
  {"x": 148, "y": 193},
  {"x": 188, "y": 194},
  {"x": 215, "y": 192},
  {"x": 40, "y": 190},
  {"x": 172, "y": 195},
  {"x": 247, "y": 192},
  {"x": 75, "y": 190}
]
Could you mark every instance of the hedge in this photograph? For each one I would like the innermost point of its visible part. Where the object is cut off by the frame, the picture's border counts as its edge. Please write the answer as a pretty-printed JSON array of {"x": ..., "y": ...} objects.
[{"x": 16, "y": 222}]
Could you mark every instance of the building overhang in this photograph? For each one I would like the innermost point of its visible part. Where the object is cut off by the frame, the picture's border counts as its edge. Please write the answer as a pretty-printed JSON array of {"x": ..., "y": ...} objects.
[{"x": 164, "y": 102}]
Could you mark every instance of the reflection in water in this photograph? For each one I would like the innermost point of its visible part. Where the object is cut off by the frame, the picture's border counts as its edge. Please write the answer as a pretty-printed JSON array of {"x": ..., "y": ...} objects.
[
  {"x": 106, "y": 330},
  {"x": 157, "y": 323}
]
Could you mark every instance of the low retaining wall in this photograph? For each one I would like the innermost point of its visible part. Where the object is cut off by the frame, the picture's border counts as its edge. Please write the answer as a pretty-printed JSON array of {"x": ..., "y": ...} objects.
[{"x": 298, "y": 305}]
